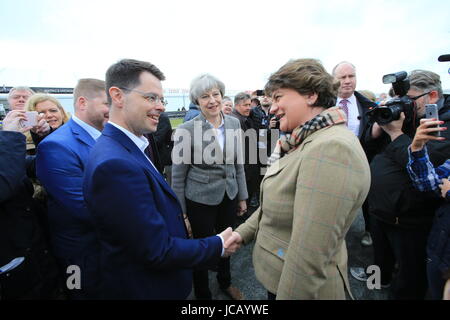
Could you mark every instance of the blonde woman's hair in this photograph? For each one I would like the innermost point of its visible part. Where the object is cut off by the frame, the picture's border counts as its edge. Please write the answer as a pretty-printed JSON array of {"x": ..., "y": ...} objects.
[{"x": 41, "y": 97}]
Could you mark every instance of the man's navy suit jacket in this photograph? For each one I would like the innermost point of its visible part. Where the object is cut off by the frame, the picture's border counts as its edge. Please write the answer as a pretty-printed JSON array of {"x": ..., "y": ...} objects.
[
  {"x": 60, "y": 164},
  {"x": 145, "y": 253}
]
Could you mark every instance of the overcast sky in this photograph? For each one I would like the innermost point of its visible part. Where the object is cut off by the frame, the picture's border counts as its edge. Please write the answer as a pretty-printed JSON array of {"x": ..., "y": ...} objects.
[{"x": 54, "y": 43}]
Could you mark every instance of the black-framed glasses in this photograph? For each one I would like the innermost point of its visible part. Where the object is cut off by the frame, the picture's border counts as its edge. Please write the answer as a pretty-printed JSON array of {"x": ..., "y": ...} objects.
[
  {"x": 419, "y": 96},
  {"x": 151, "y": 97}
]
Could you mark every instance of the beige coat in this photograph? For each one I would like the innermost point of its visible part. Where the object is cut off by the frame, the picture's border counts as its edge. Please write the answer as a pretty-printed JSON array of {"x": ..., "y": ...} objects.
[{"x": 309, "y": 199}]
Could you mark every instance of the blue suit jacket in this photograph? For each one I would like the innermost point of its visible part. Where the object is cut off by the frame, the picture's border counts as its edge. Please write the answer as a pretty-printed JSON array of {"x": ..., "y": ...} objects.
[
  {"x": 145, "y": 253},
  {"x": 60, "y": 164}
]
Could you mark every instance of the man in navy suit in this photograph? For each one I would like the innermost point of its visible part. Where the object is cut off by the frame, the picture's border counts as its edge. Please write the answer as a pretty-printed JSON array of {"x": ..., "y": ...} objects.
[
  {"x": 144, "y": 250},
  {"x": 60, "y": 164}
]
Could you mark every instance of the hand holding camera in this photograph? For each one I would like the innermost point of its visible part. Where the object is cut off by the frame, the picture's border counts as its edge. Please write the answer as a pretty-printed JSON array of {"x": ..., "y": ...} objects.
[
  {"x": 394, "y": 128},
  {"x": 15, "y": 120},
  {"x": 41, "y": 127}
]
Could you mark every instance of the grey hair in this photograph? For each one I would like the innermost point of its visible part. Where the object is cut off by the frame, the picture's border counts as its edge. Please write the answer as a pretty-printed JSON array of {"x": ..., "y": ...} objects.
[
  {"x": 20, "y": 88},
  {"x": 423, "y": 80},
  {"x": 204, "y": 83},
  {"x": 226, "y": 98},
  {"x": 241, "y": 96},
  {"x": 341, "y": 63}
]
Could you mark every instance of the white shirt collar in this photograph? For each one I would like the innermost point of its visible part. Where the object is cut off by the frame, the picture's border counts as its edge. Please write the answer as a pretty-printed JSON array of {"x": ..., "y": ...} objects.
[
  {"x": 221, "y": 133},
  {"x": 141, "y": 142},
  {"x": 93, "y": 132},
  {"x": 351, "y": 100}
]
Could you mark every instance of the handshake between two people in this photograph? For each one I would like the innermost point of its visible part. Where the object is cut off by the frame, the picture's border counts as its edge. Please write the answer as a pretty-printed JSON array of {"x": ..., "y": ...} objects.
[{"x": 231, "y": 241}]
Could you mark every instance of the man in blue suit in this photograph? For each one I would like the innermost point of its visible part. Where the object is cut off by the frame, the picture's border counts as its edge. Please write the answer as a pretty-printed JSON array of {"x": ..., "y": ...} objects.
[
  {"x": 60, "y": 164},
  {"x": 144, "y": 250}
]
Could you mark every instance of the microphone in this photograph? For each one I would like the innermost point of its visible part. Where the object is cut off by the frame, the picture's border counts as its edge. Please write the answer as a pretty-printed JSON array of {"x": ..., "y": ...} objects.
[{"x": 444, "y": 57}]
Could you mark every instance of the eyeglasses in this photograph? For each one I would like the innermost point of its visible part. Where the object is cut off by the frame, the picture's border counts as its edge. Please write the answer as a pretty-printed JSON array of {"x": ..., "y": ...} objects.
[
  {"x": 151, "y": 97},
  {"x": 419, "y": 96}
]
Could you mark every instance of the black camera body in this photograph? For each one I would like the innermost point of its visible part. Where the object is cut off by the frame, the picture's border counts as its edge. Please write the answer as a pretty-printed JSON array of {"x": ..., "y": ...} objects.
[{"x": 401, "y": 103}]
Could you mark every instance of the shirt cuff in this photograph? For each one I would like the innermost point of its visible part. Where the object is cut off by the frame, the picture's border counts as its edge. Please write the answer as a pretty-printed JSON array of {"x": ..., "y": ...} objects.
[
  {"x": 223, "y": 244},
  {"x": 418, "y": 154}
]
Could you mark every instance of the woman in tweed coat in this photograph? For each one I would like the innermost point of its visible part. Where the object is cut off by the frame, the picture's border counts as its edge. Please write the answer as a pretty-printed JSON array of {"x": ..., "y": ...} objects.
[{"x": 317, "y": 180}]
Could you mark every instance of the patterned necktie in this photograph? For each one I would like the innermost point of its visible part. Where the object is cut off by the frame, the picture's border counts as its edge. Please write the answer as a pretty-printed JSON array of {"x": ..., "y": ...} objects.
[{"x": 343, "y": 105}]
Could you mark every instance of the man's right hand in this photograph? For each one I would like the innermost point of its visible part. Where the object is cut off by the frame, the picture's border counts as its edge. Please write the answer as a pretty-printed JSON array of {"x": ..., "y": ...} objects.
[
  {"x": 231, "y": 243},
  {"x": 423, "y": 131},
  {"x": 12, "y": 121},
  {"x": 188, "y": 226}
]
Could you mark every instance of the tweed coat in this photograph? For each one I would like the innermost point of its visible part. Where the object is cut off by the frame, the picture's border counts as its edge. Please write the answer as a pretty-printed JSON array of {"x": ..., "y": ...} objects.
[{"x": 309, "y": 199}]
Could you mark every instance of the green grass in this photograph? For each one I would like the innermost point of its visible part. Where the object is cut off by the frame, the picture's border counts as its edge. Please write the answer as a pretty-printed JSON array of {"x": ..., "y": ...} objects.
[{"x": 175, "y": 122}]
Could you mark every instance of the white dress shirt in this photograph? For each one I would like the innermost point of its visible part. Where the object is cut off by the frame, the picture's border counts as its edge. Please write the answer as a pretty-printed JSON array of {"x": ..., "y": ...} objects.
[
  {"x": 141, "y": 142},
  {"x": 220, "y": 134},
  {"x": 353, "y": 114},
  {"x": 93, "y": 132}
]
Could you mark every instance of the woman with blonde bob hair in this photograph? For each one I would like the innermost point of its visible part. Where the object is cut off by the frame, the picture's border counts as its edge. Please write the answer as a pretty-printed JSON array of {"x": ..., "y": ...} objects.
[
  {"x": 53, "y": 112},
  {"x": 317, "y": 180}
]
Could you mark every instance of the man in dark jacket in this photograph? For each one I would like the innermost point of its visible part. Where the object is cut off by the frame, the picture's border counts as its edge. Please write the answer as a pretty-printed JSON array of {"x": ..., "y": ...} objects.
[
  {"x": 27, "y": 270},
  {"x": 164, "y": 145},
  {"x": 356, "y": 106},
  {"x": 249, "y": 122},
  {"x": 401, "y": 216}
]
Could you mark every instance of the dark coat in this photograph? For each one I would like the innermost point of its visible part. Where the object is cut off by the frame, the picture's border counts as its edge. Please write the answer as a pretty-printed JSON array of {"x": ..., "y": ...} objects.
[
  {"x": 392, "y": 196},
  {"x": 251, "y": 161},
  {"x": 21, "y": 232},
  {"x": 163, "y": 140},
  {"x": 438, "y": 246},
  {"x": 364, "y": 105}
]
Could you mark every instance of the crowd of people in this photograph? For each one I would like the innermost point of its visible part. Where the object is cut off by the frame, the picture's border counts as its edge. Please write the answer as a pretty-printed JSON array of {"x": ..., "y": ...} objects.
[{"x": 142, "y": 211}]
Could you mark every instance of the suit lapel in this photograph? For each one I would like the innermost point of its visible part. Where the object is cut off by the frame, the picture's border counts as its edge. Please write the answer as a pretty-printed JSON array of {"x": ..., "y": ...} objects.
[
  {"x": 80, "y": 134},
  {"x": 129, "y": 145}
]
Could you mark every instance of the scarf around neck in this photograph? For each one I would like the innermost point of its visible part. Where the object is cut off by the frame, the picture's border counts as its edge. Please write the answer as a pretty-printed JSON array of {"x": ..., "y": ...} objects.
[{"x": 290, "y": 141}]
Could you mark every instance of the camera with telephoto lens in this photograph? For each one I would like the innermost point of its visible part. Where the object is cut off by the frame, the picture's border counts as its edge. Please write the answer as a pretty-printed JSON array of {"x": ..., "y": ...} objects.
[{"x": 401, "y": 103}]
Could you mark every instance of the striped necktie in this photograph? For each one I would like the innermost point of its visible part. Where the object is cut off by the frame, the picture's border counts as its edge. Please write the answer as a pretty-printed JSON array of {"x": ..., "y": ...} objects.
[{"x": 343, "y": 104}]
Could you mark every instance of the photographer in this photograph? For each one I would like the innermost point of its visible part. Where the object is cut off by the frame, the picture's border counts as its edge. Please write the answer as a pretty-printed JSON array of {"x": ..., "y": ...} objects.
[
  {"x": 401, "y": 216},
  {"x": 27, "y": 270}
]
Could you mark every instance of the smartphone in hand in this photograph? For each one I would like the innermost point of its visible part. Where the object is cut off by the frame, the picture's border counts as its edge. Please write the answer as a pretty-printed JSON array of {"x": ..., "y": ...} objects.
[
  {"x": 32, "y": 117},
  {"x": 431, "y": 112}
]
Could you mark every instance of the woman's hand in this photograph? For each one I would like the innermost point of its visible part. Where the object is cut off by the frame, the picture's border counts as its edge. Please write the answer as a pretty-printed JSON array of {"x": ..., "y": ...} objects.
[
  {"x": 42, "y": 128},
  {"x": 242, "y": 207},
  {"x": 423, "y": 133}
]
